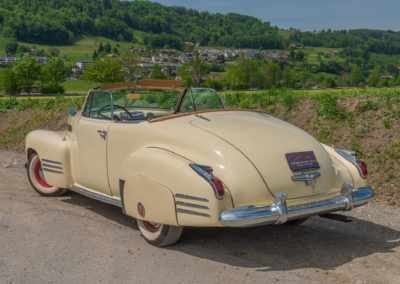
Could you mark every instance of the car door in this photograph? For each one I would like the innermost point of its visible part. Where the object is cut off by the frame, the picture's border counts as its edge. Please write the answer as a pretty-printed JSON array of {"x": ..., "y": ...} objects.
[{"x": 92, "y": 136}]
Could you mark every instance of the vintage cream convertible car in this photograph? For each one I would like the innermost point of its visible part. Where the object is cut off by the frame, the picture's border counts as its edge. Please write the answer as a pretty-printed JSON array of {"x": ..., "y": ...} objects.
[{"x": 173, "y": 157}]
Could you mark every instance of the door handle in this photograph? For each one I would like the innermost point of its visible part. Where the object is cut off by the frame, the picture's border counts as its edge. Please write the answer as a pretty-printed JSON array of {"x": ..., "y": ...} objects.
[{"x": 102, "y": 133}]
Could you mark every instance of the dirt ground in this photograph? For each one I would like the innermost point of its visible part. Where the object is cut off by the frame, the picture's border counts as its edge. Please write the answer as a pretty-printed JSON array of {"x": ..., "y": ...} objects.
[{"x": 73, "y": 239}]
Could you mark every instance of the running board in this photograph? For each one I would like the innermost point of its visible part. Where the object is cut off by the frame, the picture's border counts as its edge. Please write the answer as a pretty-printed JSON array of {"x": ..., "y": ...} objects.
[{"x": 97, "y": 196}]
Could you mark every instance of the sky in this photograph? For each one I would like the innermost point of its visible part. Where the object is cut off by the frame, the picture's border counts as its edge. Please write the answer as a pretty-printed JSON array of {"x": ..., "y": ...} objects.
[{"x": 307, "y": 15}]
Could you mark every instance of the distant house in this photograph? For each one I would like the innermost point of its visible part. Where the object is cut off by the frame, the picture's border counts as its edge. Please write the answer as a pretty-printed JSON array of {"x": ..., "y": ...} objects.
[
  {"x": 166, "y": 51},
  {"x": 388, "y": 77},
  {"x": 42, "y": 60},
  {"x": 334, "y": 52},
  {"x": 251, "y": 53},
  {"x": 8, "y": 60},
  {"x": 83, "y": 64},
  {"x": 228, "y": 54}
]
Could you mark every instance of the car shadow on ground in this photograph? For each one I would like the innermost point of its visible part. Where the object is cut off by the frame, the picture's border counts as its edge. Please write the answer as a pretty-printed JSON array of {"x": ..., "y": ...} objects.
[
  {"x": 108, "y": 211},
  {"x": 317, "y": 243}
]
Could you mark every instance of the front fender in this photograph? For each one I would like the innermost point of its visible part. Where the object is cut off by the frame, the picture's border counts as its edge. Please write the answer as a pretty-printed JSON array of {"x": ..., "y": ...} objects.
[
  {"x": 170, "y": 191},
  {"x": 54, "y": 153}
]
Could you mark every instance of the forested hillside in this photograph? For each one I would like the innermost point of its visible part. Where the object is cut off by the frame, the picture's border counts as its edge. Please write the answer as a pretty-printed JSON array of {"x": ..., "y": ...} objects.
[{"x": 59, "y": 22}]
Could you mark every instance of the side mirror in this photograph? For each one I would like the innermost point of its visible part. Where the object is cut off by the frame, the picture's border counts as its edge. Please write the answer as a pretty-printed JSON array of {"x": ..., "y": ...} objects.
[{"x": 72, "y": 111}]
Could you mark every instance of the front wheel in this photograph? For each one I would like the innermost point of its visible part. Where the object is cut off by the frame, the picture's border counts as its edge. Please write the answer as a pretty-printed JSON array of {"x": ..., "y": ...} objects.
[
  {"x": 159, "y": 235},
  {"x": 37, "y": 180}
]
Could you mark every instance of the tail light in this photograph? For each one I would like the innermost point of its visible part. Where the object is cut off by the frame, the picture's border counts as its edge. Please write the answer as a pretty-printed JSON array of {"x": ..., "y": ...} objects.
[
  {"x": 351, "y": 157},
  {"x": 363, "y": 167},
  {"x": 206, "y": 172}
]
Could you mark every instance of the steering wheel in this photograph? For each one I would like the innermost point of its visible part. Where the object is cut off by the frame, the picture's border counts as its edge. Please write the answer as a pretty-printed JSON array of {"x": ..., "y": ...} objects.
[{"x": 115, "y": 106}]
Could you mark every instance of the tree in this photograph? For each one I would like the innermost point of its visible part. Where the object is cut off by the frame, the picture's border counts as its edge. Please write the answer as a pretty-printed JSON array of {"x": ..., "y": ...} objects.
[
  {"x": 11, "y": 47},
  {"x": 356, "y": 75},
  {"x": 52, "y": 76},
  {"x": 212, "y": 83},
  {"x": 10, "y": 82},
  {"x": 234, "y": 77},
  {"x": 289, "y": 77},
  {"x": 95, "y": 54},
  {"x": 107, "y": 47},
  {"x": 101, "y": 48},
  {"x": 54, "y": 51},
  {"x": 104, "y": 71},
  {"x": 184, "y": 73},
  {"x": 198, "y": 70},
  {"x": 28, "y": 70},
  {"x": 157, "y": 73},
  {"x": 21, "y": 50},
  {"x": 373, "y": 77},
  {"x": 398, "y": 81}
]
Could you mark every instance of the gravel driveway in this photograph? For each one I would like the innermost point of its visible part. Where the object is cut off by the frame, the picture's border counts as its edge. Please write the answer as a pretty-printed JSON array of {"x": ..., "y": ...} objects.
[{"x": 73, "y": 239}]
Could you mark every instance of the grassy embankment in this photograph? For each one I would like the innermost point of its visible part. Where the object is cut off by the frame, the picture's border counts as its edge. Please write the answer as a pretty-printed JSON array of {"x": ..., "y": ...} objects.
[{"x": 364, "y": 120}]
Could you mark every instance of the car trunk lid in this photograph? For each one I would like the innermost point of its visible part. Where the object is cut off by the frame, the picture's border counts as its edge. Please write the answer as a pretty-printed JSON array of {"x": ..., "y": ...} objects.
[{"x": 266, "y": 141}]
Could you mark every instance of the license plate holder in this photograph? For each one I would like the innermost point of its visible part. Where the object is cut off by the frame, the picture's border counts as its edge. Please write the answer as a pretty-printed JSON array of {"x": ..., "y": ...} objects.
[{"x": 302, "y": 161}]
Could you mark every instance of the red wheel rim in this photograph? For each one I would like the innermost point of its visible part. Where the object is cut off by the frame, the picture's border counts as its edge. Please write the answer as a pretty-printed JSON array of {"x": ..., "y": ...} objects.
[
  {"x": 37, "y": 175},
  {"x": 151, "y": 227}
]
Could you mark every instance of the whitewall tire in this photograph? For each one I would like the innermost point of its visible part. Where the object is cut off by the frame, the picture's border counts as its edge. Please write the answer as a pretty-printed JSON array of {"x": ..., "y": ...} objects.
[
  {"x": 37, "y": 180},
  {"x": 159, "y": 235}
]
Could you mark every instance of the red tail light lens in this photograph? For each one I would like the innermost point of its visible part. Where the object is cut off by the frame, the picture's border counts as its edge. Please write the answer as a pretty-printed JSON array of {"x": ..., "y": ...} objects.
[
  {"x": 206, "y": 172},
  {"x": 363, "y": 168},
  {"x": 218, "y": 186}
]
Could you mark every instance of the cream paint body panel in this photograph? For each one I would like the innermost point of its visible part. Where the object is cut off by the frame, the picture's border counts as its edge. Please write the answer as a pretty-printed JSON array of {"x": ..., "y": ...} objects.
[
  {"x": 157, "y": 200},
  {"x": 52, "y": 146},
  {"x": 90, "y": 160},
  {"x": 195, "y": 145},
  {"x": 265, "y": 140},
  {"x": 161, "y": 177},
  {"x": 346, "y": 167}
]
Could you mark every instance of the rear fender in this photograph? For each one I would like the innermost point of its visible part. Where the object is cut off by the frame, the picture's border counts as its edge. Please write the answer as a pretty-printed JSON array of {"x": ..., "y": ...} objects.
[
  {"x": 170, "y": 191},
  {"x": 347, "y": 170},
  {"x": 54, "y": 154}
]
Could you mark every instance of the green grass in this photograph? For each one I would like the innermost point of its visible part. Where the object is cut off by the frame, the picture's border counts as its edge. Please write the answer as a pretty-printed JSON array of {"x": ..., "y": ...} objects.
[
  {"x": 79, "y": 50},
  {"x": 376, "y": 59},
  {"x": 312, "y": 54},
  {"x": 79, "y": 86}
]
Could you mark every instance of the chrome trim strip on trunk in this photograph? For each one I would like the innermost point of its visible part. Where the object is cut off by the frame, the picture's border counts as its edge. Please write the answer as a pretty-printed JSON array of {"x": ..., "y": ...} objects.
[
  {"x": 52, "y": 171},
  {"x": 51, "y": 166},
  {"x": 97, "y": 196},
  {"x": 307, "y": 177},
  {"x": 192, "y": 212},
  {"x": 191, "y": 205},
  {"x": 278, "y": 212},
  {"x": 178, "y": 195},
  {"x": 50, "y": 161}
]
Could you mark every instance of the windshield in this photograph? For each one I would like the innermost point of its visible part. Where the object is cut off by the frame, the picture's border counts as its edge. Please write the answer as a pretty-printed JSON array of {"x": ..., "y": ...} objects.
[
  {"x": 198, "y": 99},
  {"x": 144, "y": 99},
  {"x": 143, "y": 104}
]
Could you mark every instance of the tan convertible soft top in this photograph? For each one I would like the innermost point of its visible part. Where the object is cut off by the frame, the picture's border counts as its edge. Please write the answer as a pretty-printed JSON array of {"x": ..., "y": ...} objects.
[{"x": 146, "y": 84}]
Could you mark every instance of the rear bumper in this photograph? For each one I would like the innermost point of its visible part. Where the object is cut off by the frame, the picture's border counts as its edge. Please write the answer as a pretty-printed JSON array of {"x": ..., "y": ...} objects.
[{"x": 278, "y": 213}]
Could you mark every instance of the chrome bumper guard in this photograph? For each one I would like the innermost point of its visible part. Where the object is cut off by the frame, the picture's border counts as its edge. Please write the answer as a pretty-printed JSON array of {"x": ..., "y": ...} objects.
[{"x": 278, "y": 213}]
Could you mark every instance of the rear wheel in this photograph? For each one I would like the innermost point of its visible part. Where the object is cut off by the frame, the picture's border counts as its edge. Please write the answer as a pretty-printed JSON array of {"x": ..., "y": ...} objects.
[
  {"x": 159, "y": 235},
  {"x": 37, "y": 180}
]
